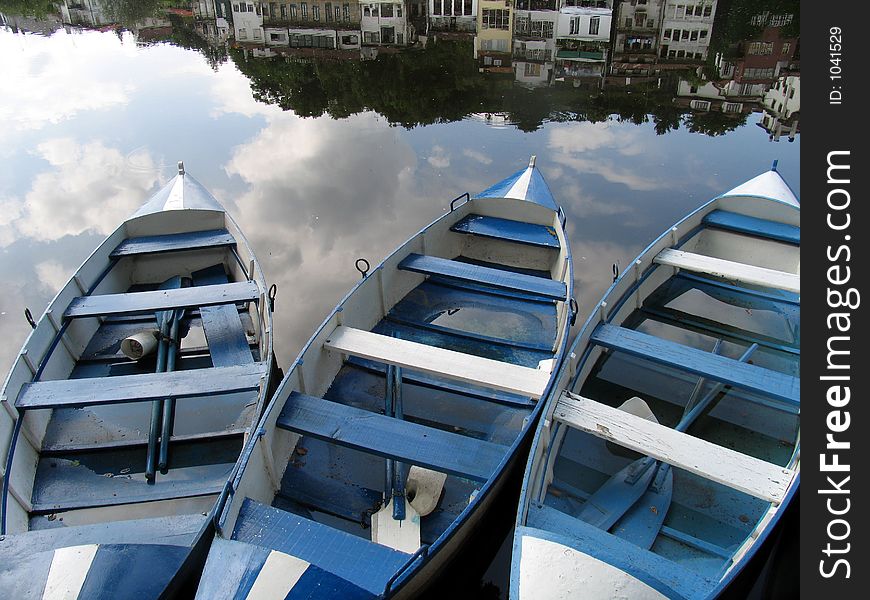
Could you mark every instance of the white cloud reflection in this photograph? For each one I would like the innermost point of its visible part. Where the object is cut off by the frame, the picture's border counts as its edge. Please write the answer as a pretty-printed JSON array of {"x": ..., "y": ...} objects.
[
  {"x": 596, "y": 148},
  {"x": 90, "y": 188},
  {"x": 49, "y": 80},
  {"x": 321, "y": 194}
]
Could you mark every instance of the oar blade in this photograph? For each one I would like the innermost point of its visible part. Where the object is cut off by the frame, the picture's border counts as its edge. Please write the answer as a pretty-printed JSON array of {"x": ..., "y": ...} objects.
[
  {"x": 616, "y": 496},
  {"x": 643, "y": 521}
]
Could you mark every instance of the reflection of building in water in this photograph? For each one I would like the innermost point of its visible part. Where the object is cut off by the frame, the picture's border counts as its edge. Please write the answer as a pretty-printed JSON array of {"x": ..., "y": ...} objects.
[
  {"x": 534, "y": 42},
  {"x": 247, "y": 22},
  {"x": 385, "y": 23},
  {"x": 782, "y": 105},
  {"x": 499, "y": 120},
  {"x": 638, "y": 25},
  {"x": 83, "y": 13},
  {"x": 270, "y": 27},
  {"x": 452, "y": 15},
  {"x": 761, "y": 60},
  {"x": 211, "y": 20},
  {"x": 492, "y": 44},
  {"x": 583, "y": 40},
  {"x": 18, "y": 23},
  {"x": 715, "y": 96},
  {"x": 686, "y": 29}
]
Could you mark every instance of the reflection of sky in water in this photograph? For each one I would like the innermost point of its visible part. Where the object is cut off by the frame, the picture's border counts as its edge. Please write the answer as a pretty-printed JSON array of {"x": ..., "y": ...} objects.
[{"x": 90, "y": 125}]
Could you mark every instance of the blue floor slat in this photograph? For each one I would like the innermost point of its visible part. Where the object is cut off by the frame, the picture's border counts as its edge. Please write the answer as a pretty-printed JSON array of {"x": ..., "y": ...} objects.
[
  {"x": 505, "y": 229},
  {"x": 363, "y": 563},
  {"x": 730, "y": 221},
  {"x": 691, "y": 322},
  {"x": 477, "y": 337},
  {"x": 154, "y": 244},
  {"x": 391, "y": 438},
  {"x": 448, "y": 385},
  {"x": 768, "y": 383},
  {"x": 497, "y": 278},
  {"x": 96, "y": 478},
  {"x": 517, "y": 356},
  {"x": 468, "y": 311}
]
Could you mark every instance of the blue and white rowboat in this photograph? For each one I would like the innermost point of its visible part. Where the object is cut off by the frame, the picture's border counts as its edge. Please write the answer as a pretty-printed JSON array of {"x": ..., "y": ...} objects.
[
  {"x": 670, "y": 446},
  {"x": 395, "y": 428},
  {"x": 113, "y": 457}
]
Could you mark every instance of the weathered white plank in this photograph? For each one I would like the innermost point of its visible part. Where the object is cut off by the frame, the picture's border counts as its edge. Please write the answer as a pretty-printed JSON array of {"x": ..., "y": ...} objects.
[
  {"x": 730, "y": 270},
  {"x": 438, "y": 361},
  {"x": 747, "y": 474}
]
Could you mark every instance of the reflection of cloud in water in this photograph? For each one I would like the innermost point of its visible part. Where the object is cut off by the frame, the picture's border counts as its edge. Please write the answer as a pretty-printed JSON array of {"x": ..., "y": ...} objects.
[
  {"x": 439, "y": 158},
  {"x": 478, "y": 156},
  {"x": 66, "y": 76},
  {"x": 90, "y": 189},
  {"x": 307, "y": 228},
  {"x": 593, "y": 272},
  {"x": 588, "y": 148},
  {"x": 52, "y": 276}
]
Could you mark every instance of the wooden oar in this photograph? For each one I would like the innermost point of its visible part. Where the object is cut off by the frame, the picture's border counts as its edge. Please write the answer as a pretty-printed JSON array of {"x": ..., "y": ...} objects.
[
  {"x": 168, "y": 404},
  {"x": 396, "y": 524},
  {"x": 163, "y": 322},
  {"x": 619, "y": 493},
  {"x": 643, "y": 521}
]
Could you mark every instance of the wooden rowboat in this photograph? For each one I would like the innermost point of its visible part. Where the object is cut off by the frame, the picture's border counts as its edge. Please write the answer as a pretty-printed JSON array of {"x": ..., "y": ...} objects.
[
  {"x": 393, "y": 430},
  {"x": 670, "y": 446},
  {"x": 112, "y": 464}
]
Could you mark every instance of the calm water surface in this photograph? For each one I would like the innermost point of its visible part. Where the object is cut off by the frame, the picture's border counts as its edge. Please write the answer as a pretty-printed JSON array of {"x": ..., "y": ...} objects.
[{"x": 323, "y": 165}]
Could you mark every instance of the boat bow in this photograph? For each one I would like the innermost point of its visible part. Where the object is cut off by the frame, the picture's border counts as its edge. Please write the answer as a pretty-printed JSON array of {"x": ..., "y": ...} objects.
[
  {"x": 526, "y": 184},
  {"x": 181, "y": 193}
]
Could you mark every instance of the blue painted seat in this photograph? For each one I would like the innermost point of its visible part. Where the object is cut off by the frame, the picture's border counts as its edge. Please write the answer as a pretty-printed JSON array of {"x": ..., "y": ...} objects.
[
  {"x": 476, "y": 274},
  {"x": 730, "y": 221},
  {"x": 355, "y": 559},
  {"x": 390, "y": 438},
  {"x": 660, "y": 573},
  {"x": 506, "y": 229},
  {"x": 77, "y": 393},
  {"x": 153, "y": 301},
  {"x": 766, "y": 382},
  {"x": 155, "y": 244}
]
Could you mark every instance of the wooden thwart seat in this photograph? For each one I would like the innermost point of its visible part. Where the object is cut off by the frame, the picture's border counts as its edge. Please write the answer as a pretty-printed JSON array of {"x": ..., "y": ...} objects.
[
  {"x": 766, "y": 382},
  {"x": 731, "y": 221},
  {"x": 76, "y": 393},
  {"x": 391, "y": 438},
  {"x": 155, "y": 244},
  {"x": 438, "y": 361},
  {"x": 758, "y": 478},
  {"x": 496, "y": 278},
  {"x": 506, "y": 229},
  {"x": 152, "y": 301},
  {"x": 732, "y": 271}
]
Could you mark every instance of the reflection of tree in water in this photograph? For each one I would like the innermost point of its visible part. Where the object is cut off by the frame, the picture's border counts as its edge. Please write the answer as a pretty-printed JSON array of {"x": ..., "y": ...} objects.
[
  {"x": 130, "y": 13},
  {"x": 28, "y": 8},
  {"x": 417, "y": 87},
  {"x": 441, "y": 84}
]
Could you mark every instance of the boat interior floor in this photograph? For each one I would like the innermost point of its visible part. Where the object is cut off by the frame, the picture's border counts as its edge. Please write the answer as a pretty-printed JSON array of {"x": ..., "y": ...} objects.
[
  {"x": 340, "y": 483},
  {"x": 94, "y": 455},
  {"x": 705, "y": 522}
]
